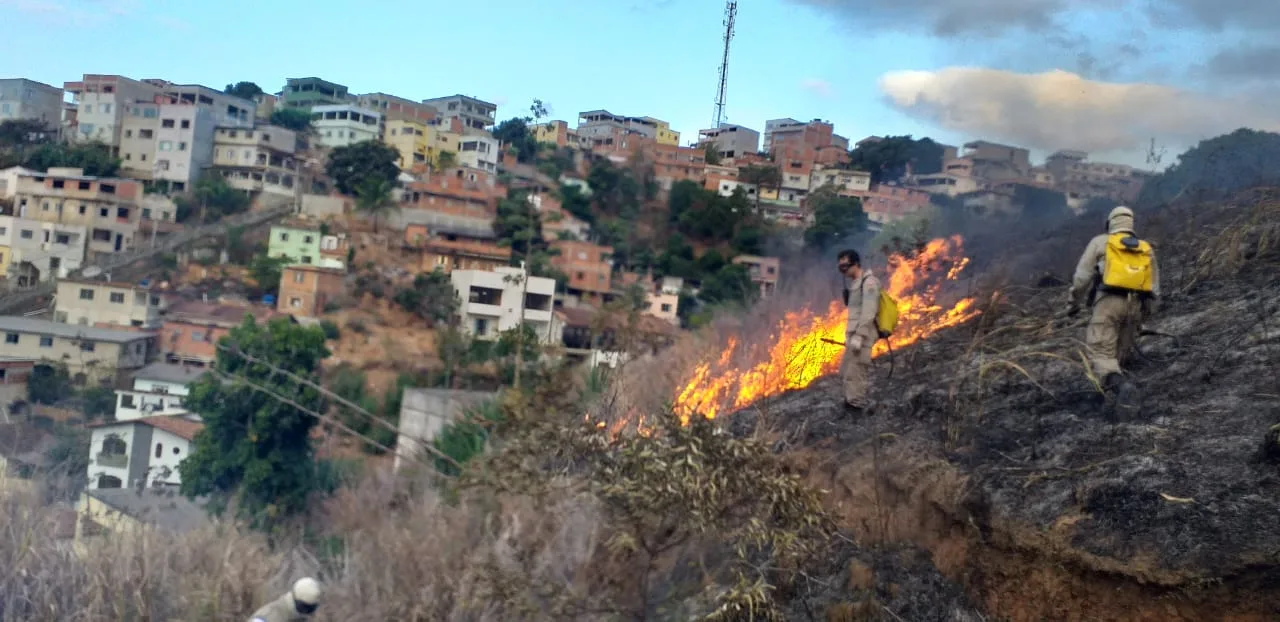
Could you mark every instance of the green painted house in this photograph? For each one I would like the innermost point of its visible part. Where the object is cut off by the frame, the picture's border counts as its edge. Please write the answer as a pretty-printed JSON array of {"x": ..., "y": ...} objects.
[{"x": 305, "y": 244}]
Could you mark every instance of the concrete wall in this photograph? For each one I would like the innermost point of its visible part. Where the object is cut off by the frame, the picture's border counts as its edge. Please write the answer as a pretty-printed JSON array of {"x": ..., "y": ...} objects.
[{"x": 424, "y": 413}]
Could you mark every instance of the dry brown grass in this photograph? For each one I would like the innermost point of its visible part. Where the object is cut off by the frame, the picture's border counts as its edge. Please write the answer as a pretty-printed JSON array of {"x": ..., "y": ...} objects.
[{"x": 382, "y": 554}]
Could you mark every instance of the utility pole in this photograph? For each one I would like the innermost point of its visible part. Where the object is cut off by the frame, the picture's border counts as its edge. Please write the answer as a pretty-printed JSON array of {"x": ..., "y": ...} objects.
[{"x": 538, "y": 111}]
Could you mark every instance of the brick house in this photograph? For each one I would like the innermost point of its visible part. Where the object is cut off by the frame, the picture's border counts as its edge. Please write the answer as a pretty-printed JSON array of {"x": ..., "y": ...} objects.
[{"x": 305, "y": 290}]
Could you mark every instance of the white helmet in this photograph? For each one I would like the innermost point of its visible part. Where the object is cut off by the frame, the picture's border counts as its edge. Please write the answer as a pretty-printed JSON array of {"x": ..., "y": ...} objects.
[{"x": 306, "y": 593}]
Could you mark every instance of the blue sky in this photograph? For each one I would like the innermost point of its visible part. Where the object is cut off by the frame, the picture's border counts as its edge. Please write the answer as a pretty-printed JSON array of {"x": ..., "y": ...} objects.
[
  {"x": 635, "y": 58},
  {"x": 791, "y": 58}
]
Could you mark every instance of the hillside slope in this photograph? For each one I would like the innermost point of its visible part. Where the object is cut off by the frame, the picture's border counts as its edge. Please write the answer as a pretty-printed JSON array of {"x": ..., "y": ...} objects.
[{"x": 991, "y": 447}]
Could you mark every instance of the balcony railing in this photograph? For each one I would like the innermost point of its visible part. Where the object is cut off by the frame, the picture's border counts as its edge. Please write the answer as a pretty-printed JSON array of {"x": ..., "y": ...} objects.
[{"x": 118, "y": 461}]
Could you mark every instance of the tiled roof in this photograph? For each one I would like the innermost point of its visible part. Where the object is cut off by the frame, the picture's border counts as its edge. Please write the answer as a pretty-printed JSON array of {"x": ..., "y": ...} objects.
[{"x": 173, "y": 424}]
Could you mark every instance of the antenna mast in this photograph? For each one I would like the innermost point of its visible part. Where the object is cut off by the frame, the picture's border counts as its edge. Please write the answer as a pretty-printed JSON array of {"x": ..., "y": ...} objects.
[{"x": 730, "y": 16}]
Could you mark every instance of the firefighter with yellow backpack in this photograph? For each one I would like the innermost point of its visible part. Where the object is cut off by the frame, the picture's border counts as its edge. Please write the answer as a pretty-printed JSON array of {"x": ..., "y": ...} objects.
[
  {"x": 873, "y": 314},
  {"x": 1119, "y": 278}
]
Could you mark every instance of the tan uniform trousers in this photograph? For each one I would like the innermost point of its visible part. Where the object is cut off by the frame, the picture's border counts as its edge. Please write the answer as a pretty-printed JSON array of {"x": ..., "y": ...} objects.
[
  {"x": 855, "y": 372},
  {"x": 1113, "y": 332}
]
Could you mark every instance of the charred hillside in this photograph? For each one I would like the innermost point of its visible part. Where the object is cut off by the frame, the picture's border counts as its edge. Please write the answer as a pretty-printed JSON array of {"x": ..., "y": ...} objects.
[{"x": 992, "y": 448}]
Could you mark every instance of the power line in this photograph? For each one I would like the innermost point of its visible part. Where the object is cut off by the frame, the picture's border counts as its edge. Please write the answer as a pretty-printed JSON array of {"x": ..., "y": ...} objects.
[
  {"x": 326, "y": 392},
  {"x": 324, "y": 418}
]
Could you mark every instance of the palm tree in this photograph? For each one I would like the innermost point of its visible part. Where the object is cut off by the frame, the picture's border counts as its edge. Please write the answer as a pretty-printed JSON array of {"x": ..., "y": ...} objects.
[{"x": 373, "y": 196}]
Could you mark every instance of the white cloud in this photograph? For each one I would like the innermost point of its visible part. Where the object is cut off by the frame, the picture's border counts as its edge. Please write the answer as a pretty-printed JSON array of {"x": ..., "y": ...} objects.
[
  {"x": 1061, "y": 110},
  {"x": 817, "y": 86}
]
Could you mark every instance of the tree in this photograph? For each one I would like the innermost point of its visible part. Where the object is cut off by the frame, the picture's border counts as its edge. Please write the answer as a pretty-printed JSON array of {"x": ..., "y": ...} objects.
[
  {"x": 244, "y": 90},
  {"x": 761, "y": 177},
  {"x": 518, "y": 225},
  {"x": 836, "y": 219},
  {"x": 373, "y": 197},
  {"x": 49, "y": 383},
  {"x": 266, "y": 271},
  {"x": 211, "y": 199},
  {"x": 712, "y": 154},
  {"x": 296, "y": 119},
  {"x": 516, "y": 133},
  {"x": 18, "y": 135},
  {"x": 445, "y": 160},
  {"x": 889, "y": 158},
  {"x": 431, "y": 297},
  {"x": 255, "y": 449},
  {"x": 94, "y": 158},
  {"x": 572, "y": 200},
  {"x": 730, "y": 284},
  {"x": 351, "y": 165}
]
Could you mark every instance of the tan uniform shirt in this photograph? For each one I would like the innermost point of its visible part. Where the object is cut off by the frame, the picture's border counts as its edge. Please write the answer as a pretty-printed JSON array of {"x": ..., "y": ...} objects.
[
  {"x": 279, "y": 610},
  {"x": 864, "y": 305}
]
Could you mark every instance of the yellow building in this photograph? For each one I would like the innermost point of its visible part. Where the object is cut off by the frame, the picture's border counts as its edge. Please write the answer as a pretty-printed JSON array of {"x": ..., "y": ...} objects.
[
  {"x": 419, "y": 143},
  {"x": 666, "y": 135},
  {"x": 410, "y": 139}
]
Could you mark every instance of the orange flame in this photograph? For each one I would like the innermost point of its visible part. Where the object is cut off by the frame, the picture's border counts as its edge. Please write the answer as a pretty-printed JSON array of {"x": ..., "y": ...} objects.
[{"x": 799, "y": 355}]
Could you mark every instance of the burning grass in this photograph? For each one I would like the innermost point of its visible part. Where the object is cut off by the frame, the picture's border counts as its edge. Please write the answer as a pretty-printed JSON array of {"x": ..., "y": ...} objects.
[{"x": 803, "y": 344}]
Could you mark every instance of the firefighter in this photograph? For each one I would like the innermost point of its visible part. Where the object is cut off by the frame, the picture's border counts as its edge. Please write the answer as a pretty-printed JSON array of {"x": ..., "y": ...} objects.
[
  {"x": 862, "y": 296},
  {"x": 1118, "y": 277},
  {"x": 296, "y": 605}
]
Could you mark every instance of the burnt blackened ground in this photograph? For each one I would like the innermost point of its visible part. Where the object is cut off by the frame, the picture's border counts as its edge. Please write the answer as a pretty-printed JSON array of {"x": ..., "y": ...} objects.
[{"x": 1169, "y": 489}]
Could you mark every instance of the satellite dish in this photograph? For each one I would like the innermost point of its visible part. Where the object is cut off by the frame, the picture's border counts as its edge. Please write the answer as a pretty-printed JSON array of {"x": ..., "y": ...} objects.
[{"x": 91, "y": 272}]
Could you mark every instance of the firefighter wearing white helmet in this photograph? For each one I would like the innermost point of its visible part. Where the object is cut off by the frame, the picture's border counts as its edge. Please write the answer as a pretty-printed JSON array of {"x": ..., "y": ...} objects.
[
  {"x": 296, "y": 605},
  {"x": 1118, "y": 277}
]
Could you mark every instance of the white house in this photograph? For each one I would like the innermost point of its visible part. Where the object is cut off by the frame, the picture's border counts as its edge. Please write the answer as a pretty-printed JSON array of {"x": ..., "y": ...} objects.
[
  {"x": 157, "y": 389},
  {"x": 479, "y": 151},
  {"x": 35, "y": 250},
  {"x": 490, "y": 302},
  {"x": 140, "y": 452},
  {"x": 339, "y": 125}
]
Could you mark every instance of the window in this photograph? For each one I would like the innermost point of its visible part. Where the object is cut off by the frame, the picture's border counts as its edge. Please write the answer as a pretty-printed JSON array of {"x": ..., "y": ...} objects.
[
  {"x": 176, "y": 451},
  {"x": 104, "y": 108},
  {"x": 298, "y": 276},
  {"x": 159, "y": 449},
  {"x": 166, "y": 123},
  {"x": 104, "y": 212},
  {"x": 127, "y": 401},
  {"x": 27, "y": 234},
  {"x": 11, "y": 337},
  {"x": 117, "y": 298},
  {"x": 46, "y": 341},
  {"x": 86, "y": 294},
  {"x": 87, "y": 346},
  {"x": 182, "y": 146},
  {"x": 166, "y": 145},
  {"x": 295, "y": 302},
  {"x": 186, "y": 124},
  {"x": 128, "y": 133},
  {"x": 306, "y": 259},
  {"x": 307, "y": 239},
  {"x": 197, "y": 335},
  {"x": 155, "y": 301},
  {"x": 146, "y": 134},
  {"x": 284, "y": 237}
]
